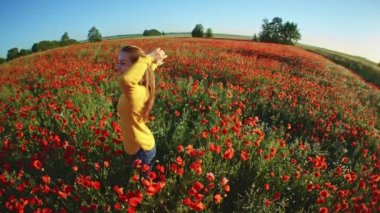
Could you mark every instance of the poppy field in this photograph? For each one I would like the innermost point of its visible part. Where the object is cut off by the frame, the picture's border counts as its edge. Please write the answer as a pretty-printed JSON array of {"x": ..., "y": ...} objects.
[{"x": 240, "y": 126}]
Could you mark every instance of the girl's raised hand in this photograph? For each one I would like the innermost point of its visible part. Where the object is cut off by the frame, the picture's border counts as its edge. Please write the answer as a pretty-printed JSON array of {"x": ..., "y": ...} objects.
[{"x": 158, "y": 56}]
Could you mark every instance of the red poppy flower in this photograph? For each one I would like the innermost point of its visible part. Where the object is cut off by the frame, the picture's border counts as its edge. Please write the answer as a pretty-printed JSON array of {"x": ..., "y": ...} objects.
[
  {"x": 134, "y": 202},
  {"x": 198, "y": 186},
  {"x": 217, "y": 198},
  {"x": 324, "y": 193},
  {"x": 210, "y": 176},
  {"x": 196, "y": 167},
  {"x": 285, "y": 178},
  {"x": 266, "y": 187},
  {"x": 179, "y": 161},
  {"x": 229, "y": 153},
  {"x": 46, "y": 179},
  {"x": 95, "y": 185},
  {"x": 118, "y": 190},
  {"x": 37, "y": 164},
  {"x": 145, "y": 168},
  {"x": 215, "y": 148},
  {"x": 267, "y": 202},
  {"x": 19, "y": 125},
  {"x": 180, "y": 148},
  {"x": 244, "y": 155},
  {"x": 226, "y": 188},
  {"x": 277, "y": 196},
  {"x": 62, "y": 194},
  {"x": 323, "y": 210}
]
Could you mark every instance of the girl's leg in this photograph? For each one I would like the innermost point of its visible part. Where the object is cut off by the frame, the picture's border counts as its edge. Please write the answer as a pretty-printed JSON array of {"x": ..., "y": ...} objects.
[{"x": 146, "y": 157}]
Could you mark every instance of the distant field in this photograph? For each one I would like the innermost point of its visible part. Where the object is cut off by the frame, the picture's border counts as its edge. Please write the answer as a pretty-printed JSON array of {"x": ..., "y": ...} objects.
[
  {"x": 216, "y": 35},
  {"x": 122, "y": 36},
  {"x": 368, "y": 70}
]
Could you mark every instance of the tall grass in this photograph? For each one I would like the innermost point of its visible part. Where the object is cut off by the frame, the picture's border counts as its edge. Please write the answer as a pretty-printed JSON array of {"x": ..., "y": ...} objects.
[{"x": 366, "y": 69}]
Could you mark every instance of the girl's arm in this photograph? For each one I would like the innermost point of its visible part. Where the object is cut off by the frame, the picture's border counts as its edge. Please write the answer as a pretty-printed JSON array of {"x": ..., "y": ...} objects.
[{"x": 135, "y": 73}]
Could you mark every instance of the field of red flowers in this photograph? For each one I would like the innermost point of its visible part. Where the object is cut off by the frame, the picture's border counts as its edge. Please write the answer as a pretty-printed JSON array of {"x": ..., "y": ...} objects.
[{"x": 240, "y": 126}]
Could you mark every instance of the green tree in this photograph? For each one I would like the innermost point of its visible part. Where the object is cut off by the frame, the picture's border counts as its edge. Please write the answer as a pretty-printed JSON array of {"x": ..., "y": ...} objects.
[
  {"x": 71, "y": 41},
  {"x": 290, "y": 33},
  {"x": 2, "y": 60},
  {"x": 35, "y": 47},
  {"x": 65, "y": 37},
  {"x": 66, "y": 40},
  {"x": 94, "y": 35},
  {"x": 277, "y": 32},
  {"x": 198, "y": 31},
  {"x": 255, "y": 37},
  {"x": 152, "y": 32},
  {"x": 209, "y": 33},
  {"x": 24, "y": 52},
  {"x": 271, "y": 31},
  {"x": 12, "y": 53},
  {"x": 45, "y": 45}
]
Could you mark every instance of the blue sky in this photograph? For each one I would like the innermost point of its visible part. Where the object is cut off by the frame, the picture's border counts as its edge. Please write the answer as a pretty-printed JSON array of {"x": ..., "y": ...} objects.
[{"x": 351, "y": 26}]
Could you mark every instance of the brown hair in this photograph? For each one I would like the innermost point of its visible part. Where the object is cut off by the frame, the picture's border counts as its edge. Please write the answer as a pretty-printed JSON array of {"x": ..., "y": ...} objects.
[{"x": 148, "y": 78}]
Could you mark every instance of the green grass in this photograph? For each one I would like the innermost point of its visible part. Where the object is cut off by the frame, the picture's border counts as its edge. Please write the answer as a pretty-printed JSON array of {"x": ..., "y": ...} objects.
[
  {"x": 365, "y": 68},
  {"x": 121, "y": 36}
]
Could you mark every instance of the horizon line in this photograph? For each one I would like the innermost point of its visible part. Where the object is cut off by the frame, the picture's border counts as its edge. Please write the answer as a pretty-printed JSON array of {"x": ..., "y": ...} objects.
[{"x": 218, "y": 33}]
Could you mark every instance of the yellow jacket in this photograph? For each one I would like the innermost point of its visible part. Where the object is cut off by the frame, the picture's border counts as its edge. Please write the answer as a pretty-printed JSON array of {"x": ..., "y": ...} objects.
[{"x": 135, "y": 133}]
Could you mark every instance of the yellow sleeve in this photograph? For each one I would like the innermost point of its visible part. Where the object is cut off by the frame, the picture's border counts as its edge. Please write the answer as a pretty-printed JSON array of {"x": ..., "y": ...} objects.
[
  {"x": 134, "y": 74},
  {"x": 154, "y": 66}
]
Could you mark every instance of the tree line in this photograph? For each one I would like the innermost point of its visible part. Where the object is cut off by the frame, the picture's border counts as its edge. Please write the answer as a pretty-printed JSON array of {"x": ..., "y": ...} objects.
[
  {"x": 93, "y": 35},
  {"x": 39, "y": 46},
  {"x": 274, "y": 31}
]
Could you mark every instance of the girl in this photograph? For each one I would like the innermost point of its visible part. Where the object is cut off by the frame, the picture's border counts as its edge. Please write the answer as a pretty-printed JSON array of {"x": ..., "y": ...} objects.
[{"x": 138, "y": 90}]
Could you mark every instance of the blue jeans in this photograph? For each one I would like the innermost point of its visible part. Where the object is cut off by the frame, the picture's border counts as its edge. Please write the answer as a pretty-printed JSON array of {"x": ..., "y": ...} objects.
[{"x": 146, "y": 157}]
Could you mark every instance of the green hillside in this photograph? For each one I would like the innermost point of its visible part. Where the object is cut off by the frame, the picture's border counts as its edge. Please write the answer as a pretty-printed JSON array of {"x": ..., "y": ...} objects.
[{"x": 365, "y": 68}]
